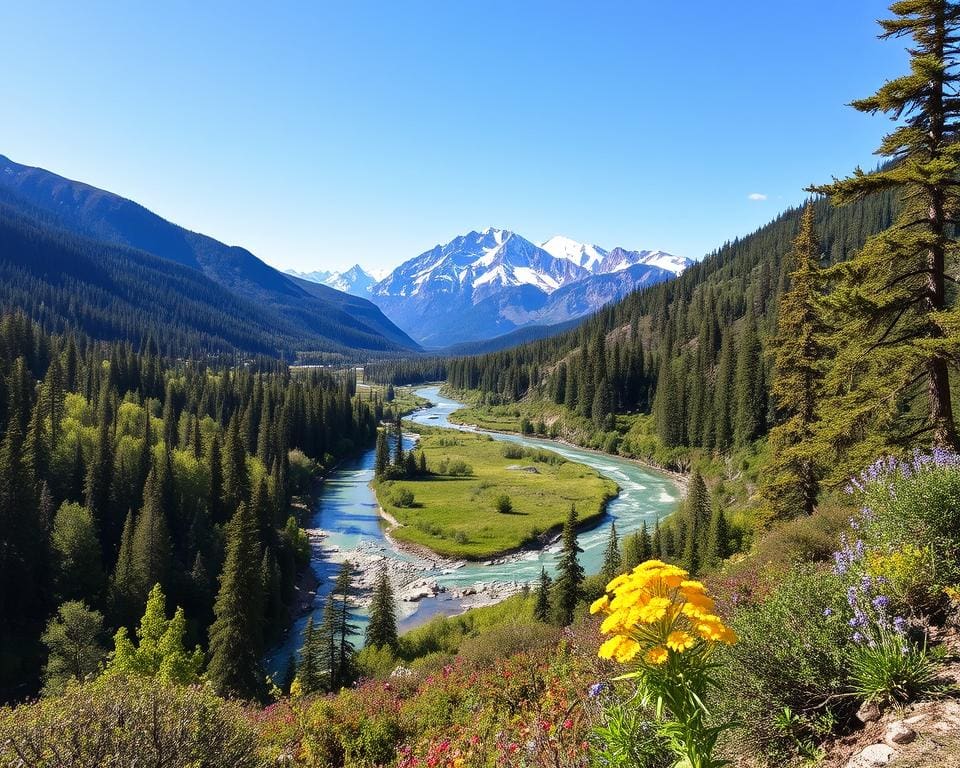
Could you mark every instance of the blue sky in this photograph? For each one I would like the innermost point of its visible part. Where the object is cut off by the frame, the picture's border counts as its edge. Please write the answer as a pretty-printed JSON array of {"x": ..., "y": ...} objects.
[{"x": 320, "y": 134}]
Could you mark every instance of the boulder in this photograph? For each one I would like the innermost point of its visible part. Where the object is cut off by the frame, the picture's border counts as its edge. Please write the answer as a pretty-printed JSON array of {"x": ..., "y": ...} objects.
[
  {"x": 869, "y": 712},
  {"x": 873, "y": 756},
  {"x": 898, "y": 732}
]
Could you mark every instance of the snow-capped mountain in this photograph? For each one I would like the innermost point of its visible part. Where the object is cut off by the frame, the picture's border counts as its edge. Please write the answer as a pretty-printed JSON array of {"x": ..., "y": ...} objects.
[
  {"x": 356, "y": 281},
  {"x": 484, "y": 284},
  {"x": 590, "y": 257}
]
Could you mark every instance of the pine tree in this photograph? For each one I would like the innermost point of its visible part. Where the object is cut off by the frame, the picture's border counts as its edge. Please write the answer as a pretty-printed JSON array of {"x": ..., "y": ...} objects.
[
  {"x": 697, "y": 519},
  {"x": 423, "y": 463},
  {"x": 611, "y": 556},
  {"x": 150, "y": 550},
  {"x": 236, "y": 482},
  {"x": 123, "y": 589},
  {"x": 637, "y": 548},
  {"x": 749, "y": 394},
  {"x": 897, "y": 327},
  {"x": 308, "y": 674},
  {"x": 382, "y": 628},
  {"x": 341, "y": 670},
  {"x": 398, "y": 455},
  {"x": 718, "y": 546},
  {"x": 382, "y": 461},
  {"x": 236, "y": 634},
  {"x": 541, "y": 608},
  {"x": 792, "y": 478},
  {"x": 568, "y": 588},
  {"x": 656, "y": 544}
]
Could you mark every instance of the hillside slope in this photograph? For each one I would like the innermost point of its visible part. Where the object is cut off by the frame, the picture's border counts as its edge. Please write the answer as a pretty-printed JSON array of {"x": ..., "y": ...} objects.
[{"x": 298, "y": 315}]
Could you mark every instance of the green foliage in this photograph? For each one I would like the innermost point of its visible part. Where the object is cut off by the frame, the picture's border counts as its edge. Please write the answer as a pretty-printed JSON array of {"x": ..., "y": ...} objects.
[
  {"x": 76, "y": 551},
  {"x": 74, "y": 641},
  {"x": 129, "y": 721},
  {"x": 402, "y": 497},
  {"x": 568, "y": 587},
  {"x": 160, "y": 651},
  {"x": 890, "y": 670},
  {"x": 791, "y": 653},
  {"x": 503, "y": 505},
  {"x": 382, "y": 628}
]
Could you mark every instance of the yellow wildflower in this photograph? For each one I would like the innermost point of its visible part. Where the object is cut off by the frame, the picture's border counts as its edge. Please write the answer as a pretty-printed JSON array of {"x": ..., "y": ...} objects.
[
  {"x": 619, "y": 648},
  {"x": 680, "y": 641},
  {"x": 600, "y": 605},
  {"x": 656, "y": 655}
]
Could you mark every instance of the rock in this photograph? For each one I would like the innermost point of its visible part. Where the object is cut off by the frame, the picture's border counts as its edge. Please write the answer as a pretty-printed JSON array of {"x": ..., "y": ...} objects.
[
  {"x": 869, "y": 712},
  {"x": 916, "y": 719},
  {"x": 899, "y": 732},
  {"x": 872, "y": 756}
]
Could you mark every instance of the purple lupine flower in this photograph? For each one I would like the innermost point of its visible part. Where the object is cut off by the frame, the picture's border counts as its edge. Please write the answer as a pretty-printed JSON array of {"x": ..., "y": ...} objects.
[
  {"x": 828, "y": 611},
  {"x": 900, "y": 625},
  {"x": 596, "y": 689},
  {"x": 880, "y": 602},
  {"x": 857, "y": 638}
]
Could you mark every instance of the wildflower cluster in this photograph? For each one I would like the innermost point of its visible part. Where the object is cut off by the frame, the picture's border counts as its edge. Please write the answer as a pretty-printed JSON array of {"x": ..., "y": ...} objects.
[
  {"x": 658, "y": 614},
  {"x": 889, "y": 467},
  {"x": 656, "y": 610}
]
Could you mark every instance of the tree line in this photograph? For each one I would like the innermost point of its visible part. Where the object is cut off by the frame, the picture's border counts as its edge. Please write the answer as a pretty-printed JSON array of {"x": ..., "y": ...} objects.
[{"x": 121, "y": 470}]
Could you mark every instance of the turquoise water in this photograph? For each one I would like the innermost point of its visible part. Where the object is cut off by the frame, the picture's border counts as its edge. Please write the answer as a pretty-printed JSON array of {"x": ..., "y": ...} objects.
[{"x": 347, "y": 510}]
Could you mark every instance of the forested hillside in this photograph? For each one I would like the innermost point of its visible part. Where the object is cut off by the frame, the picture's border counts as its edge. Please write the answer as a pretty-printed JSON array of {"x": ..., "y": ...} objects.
[
  {"x": 86, "y": 255},
  {"x": 694, "y": 351},
  {"x": 121, "y": 470}
]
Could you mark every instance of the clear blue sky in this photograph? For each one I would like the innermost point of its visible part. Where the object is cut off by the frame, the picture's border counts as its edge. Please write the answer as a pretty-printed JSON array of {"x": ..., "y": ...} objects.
[{"x": 318, "y": 134}]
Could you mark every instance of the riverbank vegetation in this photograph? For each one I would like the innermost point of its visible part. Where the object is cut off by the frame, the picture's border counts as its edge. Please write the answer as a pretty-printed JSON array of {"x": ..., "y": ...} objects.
[{"x": 455, "y": 505}]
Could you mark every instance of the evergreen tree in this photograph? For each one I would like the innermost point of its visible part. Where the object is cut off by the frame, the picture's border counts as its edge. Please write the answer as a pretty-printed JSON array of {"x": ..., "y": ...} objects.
[
  {"x": 611, "y": 556},
  {"x": 150, "y": 549},
  {"x": 308, "y": 674},
  {"x": 398, "y": 456},
  {"x": 718, "y": 546},
  {"x": 382, "y": 628},
  {"x": 236, "y": 482},
  {"x": 123, "y": 585},
  {"x": 637, "y": 548},
  {"x": 696, "y": 523},
  {"x": 423, "y": 463},
  {"x": 236, "y": 633},
  {"x": 568, "y": 588},
  {"x": 750, "y": 402},
  {"x": 898, "y": 329},
  {"x": 382, "y": 460},
  {"x": 656, "y": 544},
  {"x": 341, "y": 669},
  {"x": 792, "y": 478},
  {"x": 541, "y": 608}
]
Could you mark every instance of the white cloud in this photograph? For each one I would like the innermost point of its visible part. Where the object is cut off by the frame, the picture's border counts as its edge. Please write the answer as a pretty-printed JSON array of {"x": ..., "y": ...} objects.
[{"x": 756, "y": 196}]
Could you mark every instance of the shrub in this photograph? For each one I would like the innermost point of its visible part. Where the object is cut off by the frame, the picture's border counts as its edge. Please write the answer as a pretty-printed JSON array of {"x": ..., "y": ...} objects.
[
  {"x": 124, "y": 721},
  {"x": 459, "y": 468},
  {"x": 791, "y": 654},
  {"x": 375, "y": 662},
  {"x": 914, "y": 503},
  {"x": 303, "y": 470},
  {"x": 890, "y": 669},
  {"x": 402, "y": 497},
  {"x": 482, "y": 651},
  {"x": 512, "y": 451},
  {"x": 503, "y": 505}
]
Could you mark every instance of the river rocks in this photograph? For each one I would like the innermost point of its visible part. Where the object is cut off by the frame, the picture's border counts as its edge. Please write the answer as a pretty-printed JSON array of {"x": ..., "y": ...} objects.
[
  {"x": 898, "y": 732},
  {"x": 869, "y": 712},
  {"x": 522, "y": 468},
  {"x": 872, "y": 756}
]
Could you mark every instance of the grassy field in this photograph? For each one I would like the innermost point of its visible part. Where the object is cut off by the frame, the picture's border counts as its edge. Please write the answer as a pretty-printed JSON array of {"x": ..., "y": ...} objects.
[{"x": 454, "y": 512}]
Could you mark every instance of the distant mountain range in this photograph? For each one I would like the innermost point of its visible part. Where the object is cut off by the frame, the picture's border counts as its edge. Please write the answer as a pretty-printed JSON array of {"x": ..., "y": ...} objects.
[
  {"x": 76, "y": 256},
  {"x": 485, "y": 284},
  {"x": 356, "y": 281}
]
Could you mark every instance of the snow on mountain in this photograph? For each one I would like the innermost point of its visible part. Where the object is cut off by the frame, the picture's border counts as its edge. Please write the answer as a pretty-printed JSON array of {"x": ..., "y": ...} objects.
[
  {"x": 317, "y": 276},
  {"x": 356, "y": 281},
  {"x": 483, "y": 284},
  {"x": 478, "y": 263},
  {"x": 619, "y": 259},
  {"x": 582, "y": 254}
]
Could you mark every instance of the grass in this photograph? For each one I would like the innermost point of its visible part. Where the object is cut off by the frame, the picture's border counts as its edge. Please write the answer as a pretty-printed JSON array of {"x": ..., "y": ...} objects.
[{"x": 457, "y": 517}]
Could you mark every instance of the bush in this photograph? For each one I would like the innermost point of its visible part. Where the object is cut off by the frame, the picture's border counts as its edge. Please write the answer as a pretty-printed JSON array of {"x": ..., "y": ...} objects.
[
  {"x": 303, "y": 471},
  {"x": 482, "y": 651},
  {"x": 122, "y": 721},
  {"x": 914, "y": 505},
  {"x": 791, "y": 655},
  {"x": 459, "y": 468},
  {"x": 512, "y": 451},
  {"x": 375, "y": 663},
  {"x": 890, "y": 670},
  {"x": 402, "y": 497},
  {"x": 503, "y": 505}
]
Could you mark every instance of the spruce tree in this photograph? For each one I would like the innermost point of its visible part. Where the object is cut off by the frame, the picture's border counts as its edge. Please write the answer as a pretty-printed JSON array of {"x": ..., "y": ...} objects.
[
  {"x": 398, "y": 455},
  {"x": 697, "y": 518},
  {"x": 341, "y": 670},
  {"x": 897, "y": 327},
  {"x": 382, "y": 461},
  {"x": 382, "y": 628},
  {"x": 541, "y": 608},
  {"x": 308, "y": 674},
  {"x": 718, "y": 546},
  {"x": 150, "y": 550},
  {"x": 792, "y": 477},
  {"x": 611, "y": 556},
  {"x": 749, "y": 394},
  {"x": 568, "y": 588},
  {"x": 236, "y": 633},
  {"x": 236, "y": 482}
]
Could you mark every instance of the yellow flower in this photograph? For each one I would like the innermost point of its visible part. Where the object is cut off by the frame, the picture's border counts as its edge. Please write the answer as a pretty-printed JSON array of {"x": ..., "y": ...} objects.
[
  {"x": 655, "y": 610},
  {"x": 679, "y": 641},
  {"x": 656, "y": 655},
  {"x": 619, "y": 648},
  {"x": 600, "y": 604}
]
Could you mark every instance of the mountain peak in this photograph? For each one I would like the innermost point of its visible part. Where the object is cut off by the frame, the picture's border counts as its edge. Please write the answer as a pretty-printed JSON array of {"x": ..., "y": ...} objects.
[{"x": 583, "y": 255}]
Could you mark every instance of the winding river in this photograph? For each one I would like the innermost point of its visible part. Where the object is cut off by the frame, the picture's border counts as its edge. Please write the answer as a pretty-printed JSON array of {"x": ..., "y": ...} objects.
[{"x": 346, "y": 512}]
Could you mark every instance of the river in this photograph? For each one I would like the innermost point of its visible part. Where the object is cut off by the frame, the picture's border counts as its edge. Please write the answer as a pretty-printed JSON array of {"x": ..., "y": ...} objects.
[{"x": 346, "y": 512}]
